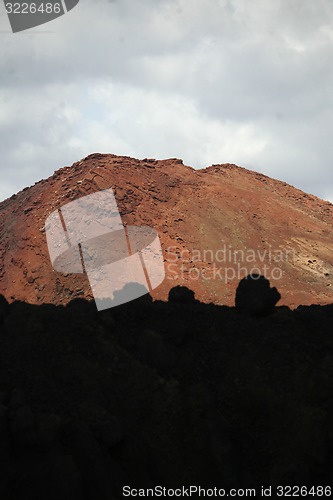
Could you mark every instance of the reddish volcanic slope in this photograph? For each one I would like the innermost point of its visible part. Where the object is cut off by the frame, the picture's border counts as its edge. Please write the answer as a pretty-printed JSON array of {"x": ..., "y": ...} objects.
[{"x": 215, "y": 226}]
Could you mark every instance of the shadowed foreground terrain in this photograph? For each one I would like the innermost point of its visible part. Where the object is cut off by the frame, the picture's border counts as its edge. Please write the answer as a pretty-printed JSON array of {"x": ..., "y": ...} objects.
[{"x": 162, "y": 393}]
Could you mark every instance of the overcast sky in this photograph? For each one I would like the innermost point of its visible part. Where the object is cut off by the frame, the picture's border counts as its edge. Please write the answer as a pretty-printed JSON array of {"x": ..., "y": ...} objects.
[{"x": 208, "y": 81}]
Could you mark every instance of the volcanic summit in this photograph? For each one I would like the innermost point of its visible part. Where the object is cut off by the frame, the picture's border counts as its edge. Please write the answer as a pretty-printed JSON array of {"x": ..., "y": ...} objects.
[{"x": 215, "y": 225}]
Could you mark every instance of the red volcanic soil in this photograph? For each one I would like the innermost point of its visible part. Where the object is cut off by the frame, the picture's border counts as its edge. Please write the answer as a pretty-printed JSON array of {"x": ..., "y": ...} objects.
[{"x": 216, "y": 225}]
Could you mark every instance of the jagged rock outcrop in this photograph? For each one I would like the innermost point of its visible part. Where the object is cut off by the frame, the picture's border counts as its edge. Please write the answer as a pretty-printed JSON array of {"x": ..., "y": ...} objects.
[{"x": 255, "y": 296}]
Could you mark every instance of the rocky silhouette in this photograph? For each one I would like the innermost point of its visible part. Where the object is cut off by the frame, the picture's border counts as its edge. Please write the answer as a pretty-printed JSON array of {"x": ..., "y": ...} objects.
[
  {"x": 163, "y": 393},
  {"x": 216, "y": 226},
  {"x": 254, "y": 296},
  {"x": 182, "y": 295}
]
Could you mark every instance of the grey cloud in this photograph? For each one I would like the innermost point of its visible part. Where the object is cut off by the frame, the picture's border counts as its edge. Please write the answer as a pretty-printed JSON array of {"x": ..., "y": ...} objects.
[{"x": 210, "y": 81}]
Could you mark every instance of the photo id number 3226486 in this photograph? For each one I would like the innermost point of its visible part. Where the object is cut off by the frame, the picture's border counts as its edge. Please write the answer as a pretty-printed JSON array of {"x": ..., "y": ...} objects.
[{"x": 33, "y": 8}]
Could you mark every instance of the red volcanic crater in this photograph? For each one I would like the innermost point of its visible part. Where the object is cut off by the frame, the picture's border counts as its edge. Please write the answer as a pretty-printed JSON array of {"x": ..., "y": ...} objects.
[{"x": 215, "y": 225}]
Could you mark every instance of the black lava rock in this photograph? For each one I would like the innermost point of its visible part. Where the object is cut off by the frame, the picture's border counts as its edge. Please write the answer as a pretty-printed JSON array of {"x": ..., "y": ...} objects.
[{"x": 255, "y": 297}]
